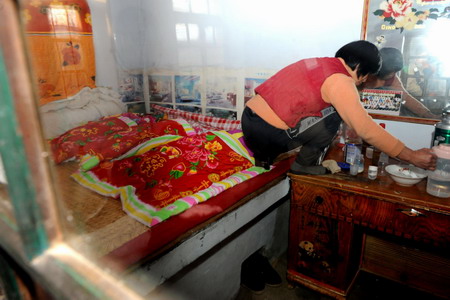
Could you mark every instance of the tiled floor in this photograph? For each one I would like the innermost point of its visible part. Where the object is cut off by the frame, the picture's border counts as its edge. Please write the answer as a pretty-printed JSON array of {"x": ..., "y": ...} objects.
[{"x": 367, "y": 287}]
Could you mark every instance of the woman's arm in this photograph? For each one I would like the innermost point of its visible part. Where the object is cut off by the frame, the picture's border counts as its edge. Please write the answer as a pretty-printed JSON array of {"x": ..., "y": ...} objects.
[
  {"x": 412, "y": 103},
  {"x": 340, "y": 91}
]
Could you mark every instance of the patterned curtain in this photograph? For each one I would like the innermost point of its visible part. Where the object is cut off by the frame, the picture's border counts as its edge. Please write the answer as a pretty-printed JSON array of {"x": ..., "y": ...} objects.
[{"x": 59, "y": 36}]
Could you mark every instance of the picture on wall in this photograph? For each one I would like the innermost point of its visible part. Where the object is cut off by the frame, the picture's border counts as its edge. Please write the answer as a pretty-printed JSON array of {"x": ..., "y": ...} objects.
[
  {"x": 250, "y": 85},
  {"x": 130, "y": 88},
  {"x": 160, "y": 88},
  {"x": 221, "y": 92},
  {"x": 187, "y": 89},
  {"x": 193, "y": 109},
  {"x": 221, "y": 113}
]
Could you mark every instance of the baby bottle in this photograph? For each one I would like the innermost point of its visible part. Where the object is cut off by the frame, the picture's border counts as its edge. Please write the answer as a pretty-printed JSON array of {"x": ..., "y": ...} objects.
[{"x": 438, "y": 183}]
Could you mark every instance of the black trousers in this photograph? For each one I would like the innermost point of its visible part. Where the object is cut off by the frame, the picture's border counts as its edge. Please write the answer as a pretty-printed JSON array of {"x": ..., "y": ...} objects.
[{"x": 267, "y": 142}]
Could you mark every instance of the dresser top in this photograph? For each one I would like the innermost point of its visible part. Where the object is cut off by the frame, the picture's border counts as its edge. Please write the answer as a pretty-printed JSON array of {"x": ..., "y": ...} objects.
[{"x": 383, "y": 187}]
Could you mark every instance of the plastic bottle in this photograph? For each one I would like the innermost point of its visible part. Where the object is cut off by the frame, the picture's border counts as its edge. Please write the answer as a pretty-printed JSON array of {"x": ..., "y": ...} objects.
[
  {"x": 358, "y": 165},
  {"x": 361, "y": 163},
  {"x": 438, "y": 183},
  {"x": 383, "y": 161},
  {"x": 354, "y": 167},
  {"x": 353, "y": 145},
  {"x": 376, "y": 152}
]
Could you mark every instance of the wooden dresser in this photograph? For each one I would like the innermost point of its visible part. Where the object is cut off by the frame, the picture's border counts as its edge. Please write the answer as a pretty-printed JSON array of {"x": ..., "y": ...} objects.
[{"x": 341, "y": 224}]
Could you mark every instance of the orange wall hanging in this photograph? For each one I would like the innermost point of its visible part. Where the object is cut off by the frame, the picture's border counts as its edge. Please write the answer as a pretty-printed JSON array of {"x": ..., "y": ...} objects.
[{"x": 60, "y": 40}]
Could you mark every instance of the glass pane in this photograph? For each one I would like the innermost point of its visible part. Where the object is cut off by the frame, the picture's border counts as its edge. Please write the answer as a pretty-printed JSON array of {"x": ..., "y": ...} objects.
[
  {"x": 60, "y": 45},
  {"x": 6, "y": 209},
  {"x": 195, "y": 56},
  {"x": 426, "y": 71}
]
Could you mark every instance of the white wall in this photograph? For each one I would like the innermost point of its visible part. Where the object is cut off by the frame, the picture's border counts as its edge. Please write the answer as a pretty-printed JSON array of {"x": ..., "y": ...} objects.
[
  {"x": 415, "y": 136},
  {"x": 230, "y": 33},
  {"x": 105, "y": 62}
]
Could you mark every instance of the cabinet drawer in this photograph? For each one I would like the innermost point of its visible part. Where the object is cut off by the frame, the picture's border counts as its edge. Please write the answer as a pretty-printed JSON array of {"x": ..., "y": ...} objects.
[
  {"x": 402, "y": 220},
  {"x": 322, "y": 201},
  {"x": 378, "y": 214}
]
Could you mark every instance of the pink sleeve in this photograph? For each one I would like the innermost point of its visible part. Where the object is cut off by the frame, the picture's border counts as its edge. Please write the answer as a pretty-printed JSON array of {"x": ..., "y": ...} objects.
[{"x": 340, "y": 91}]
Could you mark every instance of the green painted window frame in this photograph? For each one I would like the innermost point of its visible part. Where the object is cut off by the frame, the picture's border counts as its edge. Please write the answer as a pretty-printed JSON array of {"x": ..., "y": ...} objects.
[{"x": 20, "y": 186}]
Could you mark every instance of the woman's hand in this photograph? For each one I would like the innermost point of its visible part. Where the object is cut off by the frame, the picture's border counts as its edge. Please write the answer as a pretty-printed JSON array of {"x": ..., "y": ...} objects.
[{"x": 423, "y": 158}]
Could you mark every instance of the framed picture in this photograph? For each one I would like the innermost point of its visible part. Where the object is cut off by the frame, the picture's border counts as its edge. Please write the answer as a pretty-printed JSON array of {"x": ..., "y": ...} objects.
[
  {"x": 250, "y": 85},
  {"x": 160, "y": 88},
  {"x": 221, "y": 92},
  {"x": 130, "y": 88},
  {"x": 187, "y": 89}
]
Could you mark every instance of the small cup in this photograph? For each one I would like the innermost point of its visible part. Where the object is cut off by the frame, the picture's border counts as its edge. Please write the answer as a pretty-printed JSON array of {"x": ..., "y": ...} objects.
[{"x": 373, "y": 172}]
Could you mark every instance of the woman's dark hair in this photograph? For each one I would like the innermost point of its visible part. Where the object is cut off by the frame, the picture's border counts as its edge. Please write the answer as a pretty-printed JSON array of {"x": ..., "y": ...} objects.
[
  {"x": 361, "y": 54},
  {"x": 392, "y": 61}
]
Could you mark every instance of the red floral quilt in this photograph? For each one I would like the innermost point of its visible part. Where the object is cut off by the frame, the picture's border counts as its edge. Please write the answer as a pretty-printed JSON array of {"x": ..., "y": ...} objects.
[
  {"x": 111, "y": 137},
  {"x": 168, "y": 178}
]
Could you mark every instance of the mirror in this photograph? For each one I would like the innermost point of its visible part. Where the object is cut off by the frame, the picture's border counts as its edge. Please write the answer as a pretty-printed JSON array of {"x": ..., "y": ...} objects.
[{"x": 418, "y": 28}]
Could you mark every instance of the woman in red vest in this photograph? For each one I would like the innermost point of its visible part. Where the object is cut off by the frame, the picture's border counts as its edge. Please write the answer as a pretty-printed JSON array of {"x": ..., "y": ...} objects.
[{"x": 304, "y": 103}]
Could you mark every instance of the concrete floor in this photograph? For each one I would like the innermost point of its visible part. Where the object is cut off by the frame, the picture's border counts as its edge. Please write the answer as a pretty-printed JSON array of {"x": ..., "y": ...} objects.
[{"x": 367, "y": 287}]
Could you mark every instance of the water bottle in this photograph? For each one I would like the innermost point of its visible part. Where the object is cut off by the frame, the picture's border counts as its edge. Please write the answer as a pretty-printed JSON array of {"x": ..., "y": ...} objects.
[{"x": 353, "y": 145}]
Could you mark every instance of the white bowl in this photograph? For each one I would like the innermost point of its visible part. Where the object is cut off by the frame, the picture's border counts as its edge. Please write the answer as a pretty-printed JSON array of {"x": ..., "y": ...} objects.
[{"x": 406, "y": 175}]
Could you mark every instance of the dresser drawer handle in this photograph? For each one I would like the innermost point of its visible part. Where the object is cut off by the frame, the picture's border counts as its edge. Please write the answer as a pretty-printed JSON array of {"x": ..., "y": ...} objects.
[
  {"x": 411, "y": 212},
  {"x": 319, "y": 200}
]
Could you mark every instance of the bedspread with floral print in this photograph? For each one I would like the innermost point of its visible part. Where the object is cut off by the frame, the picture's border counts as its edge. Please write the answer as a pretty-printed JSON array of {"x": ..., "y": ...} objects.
[
  {"x": 110, "y": 137},
  {"x": 169, "y": 178}
]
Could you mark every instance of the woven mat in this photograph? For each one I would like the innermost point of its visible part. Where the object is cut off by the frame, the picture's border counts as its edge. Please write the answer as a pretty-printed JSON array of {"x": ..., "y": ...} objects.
[{"x": 94, "y": 224}]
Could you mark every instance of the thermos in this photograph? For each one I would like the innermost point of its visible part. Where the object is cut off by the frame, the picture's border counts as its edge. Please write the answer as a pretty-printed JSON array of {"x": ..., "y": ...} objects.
[{"x": 442, "y": 129}]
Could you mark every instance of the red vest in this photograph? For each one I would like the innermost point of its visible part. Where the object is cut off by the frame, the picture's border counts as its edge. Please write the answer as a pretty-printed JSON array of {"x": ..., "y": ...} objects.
[{"x": 294, "y": 92}]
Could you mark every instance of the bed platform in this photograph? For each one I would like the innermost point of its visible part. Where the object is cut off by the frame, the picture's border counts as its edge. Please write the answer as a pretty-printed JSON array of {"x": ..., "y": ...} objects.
[{"x": 201, "y": 248}]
